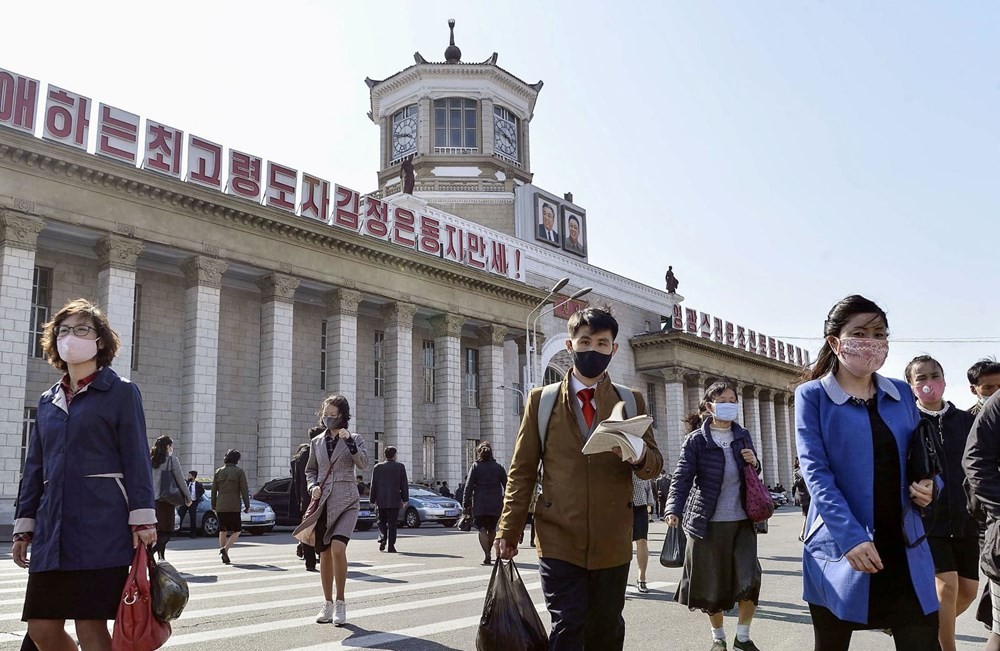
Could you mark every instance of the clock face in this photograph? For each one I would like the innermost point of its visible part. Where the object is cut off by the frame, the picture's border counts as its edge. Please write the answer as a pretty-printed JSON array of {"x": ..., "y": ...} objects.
[
  {"x": 505, "y": 140},
  {"x": 404, "y": 136}
]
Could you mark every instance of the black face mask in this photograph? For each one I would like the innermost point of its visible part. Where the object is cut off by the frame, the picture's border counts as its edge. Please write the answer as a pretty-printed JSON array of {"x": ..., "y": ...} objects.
[{"x": 590, "y": 363}]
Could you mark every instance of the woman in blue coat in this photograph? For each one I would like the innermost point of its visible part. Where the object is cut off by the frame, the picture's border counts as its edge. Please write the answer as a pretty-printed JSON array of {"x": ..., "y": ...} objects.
[
  {"x": 86, "y": 496},
  {"x": 865, "y": 562}
]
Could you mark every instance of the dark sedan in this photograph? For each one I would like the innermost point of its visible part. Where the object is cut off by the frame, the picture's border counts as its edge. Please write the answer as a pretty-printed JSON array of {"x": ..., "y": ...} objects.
[{"x": 275, "y": 493}]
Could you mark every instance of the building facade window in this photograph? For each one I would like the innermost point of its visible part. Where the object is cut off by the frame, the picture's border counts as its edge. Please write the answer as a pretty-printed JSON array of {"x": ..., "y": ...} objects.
[
  {"x": 470, "y": 454},
  {"x": 428, "y": 457},
  {"x": 552, "y": 375},
  {"x": 456, "y": 125},
  {"x": 505, "y": 136},
  {"x": 136, "y": 310},
  {"x": 322, "y": 356},
  {"x": 650, "y": 401},
  {"x": 403, "y": 140},
  {"x": 27, "y": 425},
  {"x": 429, "y": 371},
  {"x": 379, "y": 363},
  {"x": 378, "y": 446},
  {"x": 41, "y": 308},
  {"x": 471, "y": 377}
]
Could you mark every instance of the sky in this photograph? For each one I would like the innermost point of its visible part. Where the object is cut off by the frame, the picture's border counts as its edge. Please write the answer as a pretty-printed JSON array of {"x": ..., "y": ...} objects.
[{"x": 780, "y": 155}]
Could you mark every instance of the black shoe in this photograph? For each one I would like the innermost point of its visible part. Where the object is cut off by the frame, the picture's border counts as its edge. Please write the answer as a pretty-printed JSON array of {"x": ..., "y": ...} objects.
[
  {"x": 744, "y": 646},
  {"x": 487, "y": 561},
  {"x": 311, "y": 568},
  {"x": 225, "y": 555},
  {"x": 392, "y": 550},
  {"x": 381, "y": 546}
]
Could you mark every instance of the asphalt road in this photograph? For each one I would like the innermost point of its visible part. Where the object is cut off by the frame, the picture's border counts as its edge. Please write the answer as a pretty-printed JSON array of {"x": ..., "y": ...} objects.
[{"x": 430, "y": 595}]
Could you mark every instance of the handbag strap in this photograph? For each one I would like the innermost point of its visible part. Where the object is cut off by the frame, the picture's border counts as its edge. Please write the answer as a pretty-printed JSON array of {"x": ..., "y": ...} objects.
[{"x": 322, "y": 484}]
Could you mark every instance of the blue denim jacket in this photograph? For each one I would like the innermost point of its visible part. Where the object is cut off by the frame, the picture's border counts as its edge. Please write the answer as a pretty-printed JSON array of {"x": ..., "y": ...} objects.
[{"x": 834, "y": 441}]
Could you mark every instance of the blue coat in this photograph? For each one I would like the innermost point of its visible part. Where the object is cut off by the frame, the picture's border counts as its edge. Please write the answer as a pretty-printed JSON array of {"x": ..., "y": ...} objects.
[
  {"x": 87, "y": 477},
  {"x": 834, "y": 440},
  {"x": 697, "y": 482}
]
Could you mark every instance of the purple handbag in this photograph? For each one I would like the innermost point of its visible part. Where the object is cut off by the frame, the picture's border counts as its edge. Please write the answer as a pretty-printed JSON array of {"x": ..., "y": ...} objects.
[{"x": 757, "y": 503}]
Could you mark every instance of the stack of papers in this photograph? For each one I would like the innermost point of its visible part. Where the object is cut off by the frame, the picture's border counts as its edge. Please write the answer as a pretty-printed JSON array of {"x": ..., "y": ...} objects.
[{"x": 619, "y": 432}]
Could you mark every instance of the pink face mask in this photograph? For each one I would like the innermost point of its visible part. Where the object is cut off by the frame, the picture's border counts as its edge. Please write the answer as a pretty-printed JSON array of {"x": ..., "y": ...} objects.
[
  {"x": 75, "y": 350},
  {"x": 862, "y": 356},
  {"x": 929, "y": 391}
]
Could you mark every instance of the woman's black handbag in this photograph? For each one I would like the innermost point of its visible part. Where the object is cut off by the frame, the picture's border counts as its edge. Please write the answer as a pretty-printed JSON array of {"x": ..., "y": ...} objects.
[
  {"x": 674, "y": 543},
  {"x": 465, "y": 523},
  {"x": 925, "y": 457},
  {"x": 170, "y": 492},
  {"x": 168, "y": 591}
]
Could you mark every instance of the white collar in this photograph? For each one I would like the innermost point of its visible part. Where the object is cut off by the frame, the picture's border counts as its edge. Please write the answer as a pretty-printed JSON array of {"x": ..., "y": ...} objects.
[{"x": 837, "y": 394}]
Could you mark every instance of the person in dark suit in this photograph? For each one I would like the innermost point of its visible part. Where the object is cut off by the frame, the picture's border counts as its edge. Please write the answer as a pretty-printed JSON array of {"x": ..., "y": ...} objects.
[
  {"x": 389, "y": 490},
  {"x": 547, "y": 229},
  {"x": 197, "y": 493},
  {"x": 298, "y": 500}
]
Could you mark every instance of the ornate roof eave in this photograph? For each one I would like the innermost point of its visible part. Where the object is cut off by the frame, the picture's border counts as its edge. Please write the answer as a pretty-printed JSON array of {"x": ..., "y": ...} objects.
[
  {"x": 416, "y": 72},
  {"x": 697, "y": 342},
  {"x": 57, "y": 160}
]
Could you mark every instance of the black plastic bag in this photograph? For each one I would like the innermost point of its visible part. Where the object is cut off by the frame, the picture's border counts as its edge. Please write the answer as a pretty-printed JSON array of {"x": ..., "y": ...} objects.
[
  {"x": 168, "y": 590},
  {"x": 510, "y": 621},
  {"x": 673, "y": 548}
]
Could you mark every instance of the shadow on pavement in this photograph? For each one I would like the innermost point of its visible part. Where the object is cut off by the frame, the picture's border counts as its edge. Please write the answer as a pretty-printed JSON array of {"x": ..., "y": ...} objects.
[
  {"x": 254, "y": 566},
  {"x": 365, "y": 639},
  {"x": 420, "y": 555},
  {"x": 194, "y": 578}
]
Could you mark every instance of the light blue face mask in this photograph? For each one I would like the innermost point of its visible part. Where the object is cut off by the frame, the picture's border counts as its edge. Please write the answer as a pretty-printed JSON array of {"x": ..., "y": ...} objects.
[{"x": 726, "y": 410}]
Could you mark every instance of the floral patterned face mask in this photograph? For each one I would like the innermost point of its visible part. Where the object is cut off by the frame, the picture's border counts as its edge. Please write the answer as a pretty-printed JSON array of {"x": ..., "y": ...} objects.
[{"x": 862, "y": 356}]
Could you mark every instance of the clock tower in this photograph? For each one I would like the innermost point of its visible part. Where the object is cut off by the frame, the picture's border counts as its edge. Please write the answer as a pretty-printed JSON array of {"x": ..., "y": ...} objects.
[{"x": 463, "y": 127}]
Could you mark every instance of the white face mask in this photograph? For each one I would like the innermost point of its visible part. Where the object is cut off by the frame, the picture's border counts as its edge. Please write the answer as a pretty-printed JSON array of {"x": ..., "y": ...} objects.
[
  {"x": 76, "y": 350},
  {"x": 726, "y": 410}
]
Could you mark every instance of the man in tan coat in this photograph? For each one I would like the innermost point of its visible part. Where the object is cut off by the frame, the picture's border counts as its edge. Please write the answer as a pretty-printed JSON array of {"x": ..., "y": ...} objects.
[{"x": 583, "y": 516}]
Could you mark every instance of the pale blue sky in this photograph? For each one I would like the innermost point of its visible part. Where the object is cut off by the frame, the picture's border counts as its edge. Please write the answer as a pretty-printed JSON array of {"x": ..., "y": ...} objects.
[{"x": 779, "y": 155}]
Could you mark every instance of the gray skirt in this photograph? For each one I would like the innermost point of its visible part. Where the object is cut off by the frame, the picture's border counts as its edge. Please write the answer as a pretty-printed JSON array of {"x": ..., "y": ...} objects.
[{"x": 722, "y": 569}]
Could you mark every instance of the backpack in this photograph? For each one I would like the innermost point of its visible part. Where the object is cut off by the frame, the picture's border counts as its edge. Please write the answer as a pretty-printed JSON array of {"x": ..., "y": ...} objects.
[{"x": 548, "y": 402}]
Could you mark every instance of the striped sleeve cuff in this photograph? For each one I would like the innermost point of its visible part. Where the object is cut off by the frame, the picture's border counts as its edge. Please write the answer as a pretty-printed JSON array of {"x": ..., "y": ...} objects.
[
  {"x": 24, "y": 525},
  {"x": 142, "y": 516}
]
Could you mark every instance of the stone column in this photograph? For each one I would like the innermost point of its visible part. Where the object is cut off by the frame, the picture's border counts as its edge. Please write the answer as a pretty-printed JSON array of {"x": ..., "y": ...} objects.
[
  {"x": 274, "y": 413},
  {"x": 784, "y": 445},
  {"x": 425, "y": 128},
  {"x": 675, "y": 410},
  {"x": 694, "y": 392},
  {"x": 18, "y": 239},
  {"x": 790, "y": 408},
  {"x": 751, "y": 414},
  {"x": 447, "y": 332},
  {"x": 342, "y": 343},
  {"x": 492, "y": 399},
  {"x": 488, "y": 128},
  {"x": 768, "y": 437},
  {"x": 203, "y": 282},
  {"x": 399, "y": 380},
  {"x": 116, "y": 291}
]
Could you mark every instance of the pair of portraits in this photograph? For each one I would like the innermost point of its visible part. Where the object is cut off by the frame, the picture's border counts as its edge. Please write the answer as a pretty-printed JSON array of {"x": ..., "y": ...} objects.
[{"x": 560, "y": 226}]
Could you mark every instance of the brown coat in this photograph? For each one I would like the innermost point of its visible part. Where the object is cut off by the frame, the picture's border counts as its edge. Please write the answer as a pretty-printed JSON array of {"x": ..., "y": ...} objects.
[{"x": 584, "y": 514}]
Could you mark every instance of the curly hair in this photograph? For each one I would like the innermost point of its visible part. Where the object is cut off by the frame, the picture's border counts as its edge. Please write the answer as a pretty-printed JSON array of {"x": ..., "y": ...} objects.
[{"x": 107, "y": 338}]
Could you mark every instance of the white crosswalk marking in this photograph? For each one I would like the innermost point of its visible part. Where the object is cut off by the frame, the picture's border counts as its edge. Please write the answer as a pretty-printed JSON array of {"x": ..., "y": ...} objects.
[{"x": 266, "y": 601}]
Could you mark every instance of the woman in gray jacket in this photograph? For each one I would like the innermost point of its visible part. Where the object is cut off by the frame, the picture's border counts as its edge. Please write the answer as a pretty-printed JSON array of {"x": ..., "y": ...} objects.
[{"x": 169, "y": 489}]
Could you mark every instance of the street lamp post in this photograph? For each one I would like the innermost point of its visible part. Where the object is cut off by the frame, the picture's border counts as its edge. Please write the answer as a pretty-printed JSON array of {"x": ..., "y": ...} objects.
[{"x": 529, "y": 341}]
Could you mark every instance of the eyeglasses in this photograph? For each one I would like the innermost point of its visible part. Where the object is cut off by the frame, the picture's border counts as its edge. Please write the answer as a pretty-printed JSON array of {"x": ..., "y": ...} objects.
[{"x": 79, "y": 331}]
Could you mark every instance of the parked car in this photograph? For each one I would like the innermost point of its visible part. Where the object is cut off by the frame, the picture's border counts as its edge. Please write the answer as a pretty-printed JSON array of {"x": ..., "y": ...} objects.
[
  {"x": 779, "y": 499},
  {"x": 427, "y": 506},
  {"x": 275, "y": 493},
  {"x": 260, "y": 519}
]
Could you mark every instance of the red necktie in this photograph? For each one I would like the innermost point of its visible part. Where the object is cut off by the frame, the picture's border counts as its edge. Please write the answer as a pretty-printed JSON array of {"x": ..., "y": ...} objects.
[{"x": 587, "y": 396}]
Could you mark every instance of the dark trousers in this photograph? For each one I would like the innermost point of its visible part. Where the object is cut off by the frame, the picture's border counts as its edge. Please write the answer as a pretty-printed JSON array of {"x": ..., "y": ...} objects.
[
  {"x": 832, "y": 634},
  {"x": 308, "y": 554},
  {"x": 585, "y": 605},
  {"x": 387, "y": 521},
  {"x": 662, "y": 504},
  {"x": 192, "y": 513}
]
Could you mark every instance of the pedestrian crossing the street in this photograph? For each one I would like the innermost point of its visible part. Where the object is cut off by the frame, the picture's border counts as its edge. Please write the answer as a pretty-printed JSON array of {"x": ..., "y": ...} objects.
[{"x": 429, "y": 598}]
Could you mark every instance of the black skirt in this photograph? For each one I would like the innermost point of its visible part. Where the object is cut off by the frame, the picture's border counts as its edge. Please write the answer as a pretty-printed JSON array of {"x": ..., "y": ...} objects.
[
  {"x": 722, "y": 569},
  {"x": 74, "y": 594}
]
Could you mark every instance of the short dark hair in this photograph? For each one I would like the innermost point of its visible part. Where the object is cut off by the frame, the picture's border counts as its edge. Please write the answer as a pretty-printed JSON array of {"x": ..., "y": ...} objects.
[
  {"x": 573, "y": 218},
  {"x": 232, "y": 456},
  {"x": 390, "y": 452},
  {"x": 105, "y": 334},
  {"x": 598, "y": 318},
  {"x": 550, "y": 207},
  {"x": 920, "y": 359},
  {"x": 985, "y": 366},
  {"x": 193, "y": 473}
]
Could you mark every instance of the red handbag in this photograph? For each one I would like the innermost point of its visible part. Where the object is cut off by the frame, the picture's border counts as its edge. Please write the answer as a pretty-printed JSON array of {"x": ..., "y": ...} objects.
[
  {"x": 757, "y": 503},
  {"x": 136, "y": 629}
]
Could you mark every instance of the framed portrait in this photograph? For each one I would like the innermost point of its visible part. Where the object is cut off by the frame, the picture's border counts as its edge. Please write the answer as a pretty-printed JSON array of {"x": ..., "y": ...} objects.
[
  {"x": 547, "y": 221},
  {"x": 574, "y": 232}
]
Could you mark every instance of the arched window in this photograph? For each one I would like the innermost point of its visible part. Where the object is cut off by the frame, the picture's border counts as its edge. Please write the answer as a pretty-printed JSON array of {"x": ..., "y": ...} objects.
[
  {"x": 404, "y": 134},
  {"x": 455, "y": 126},
  {"x": 552, "y": 374}
]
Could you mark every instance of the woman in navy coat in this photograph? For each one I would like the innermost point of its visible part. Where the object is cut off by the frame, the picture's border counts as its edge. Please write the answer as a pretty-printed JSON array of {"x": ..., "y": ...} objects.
[
  {"x": 86, "y": 496},
  {"x": 865, "y": 562}
]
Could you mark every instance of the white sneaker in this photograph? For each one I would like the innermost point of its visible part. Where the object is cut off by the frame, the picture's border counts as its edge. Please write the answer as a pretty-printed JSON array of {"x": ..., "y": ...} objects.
[
  {"x": 340, "y": 618},
  {"x": 325, "y": 615}
]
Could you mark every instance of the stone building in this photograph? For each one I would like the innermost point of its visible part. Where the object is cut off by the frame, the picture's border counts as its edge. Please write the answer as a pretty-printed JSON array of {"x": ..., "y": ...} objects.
[{"x": 240, "y": 307}]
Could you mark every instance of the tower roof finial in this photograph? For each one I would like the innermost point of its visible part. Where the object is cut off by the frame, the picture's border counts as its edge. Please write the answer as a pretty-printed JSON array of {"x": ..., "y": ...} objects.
[{"x": 452, "y": 54}]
